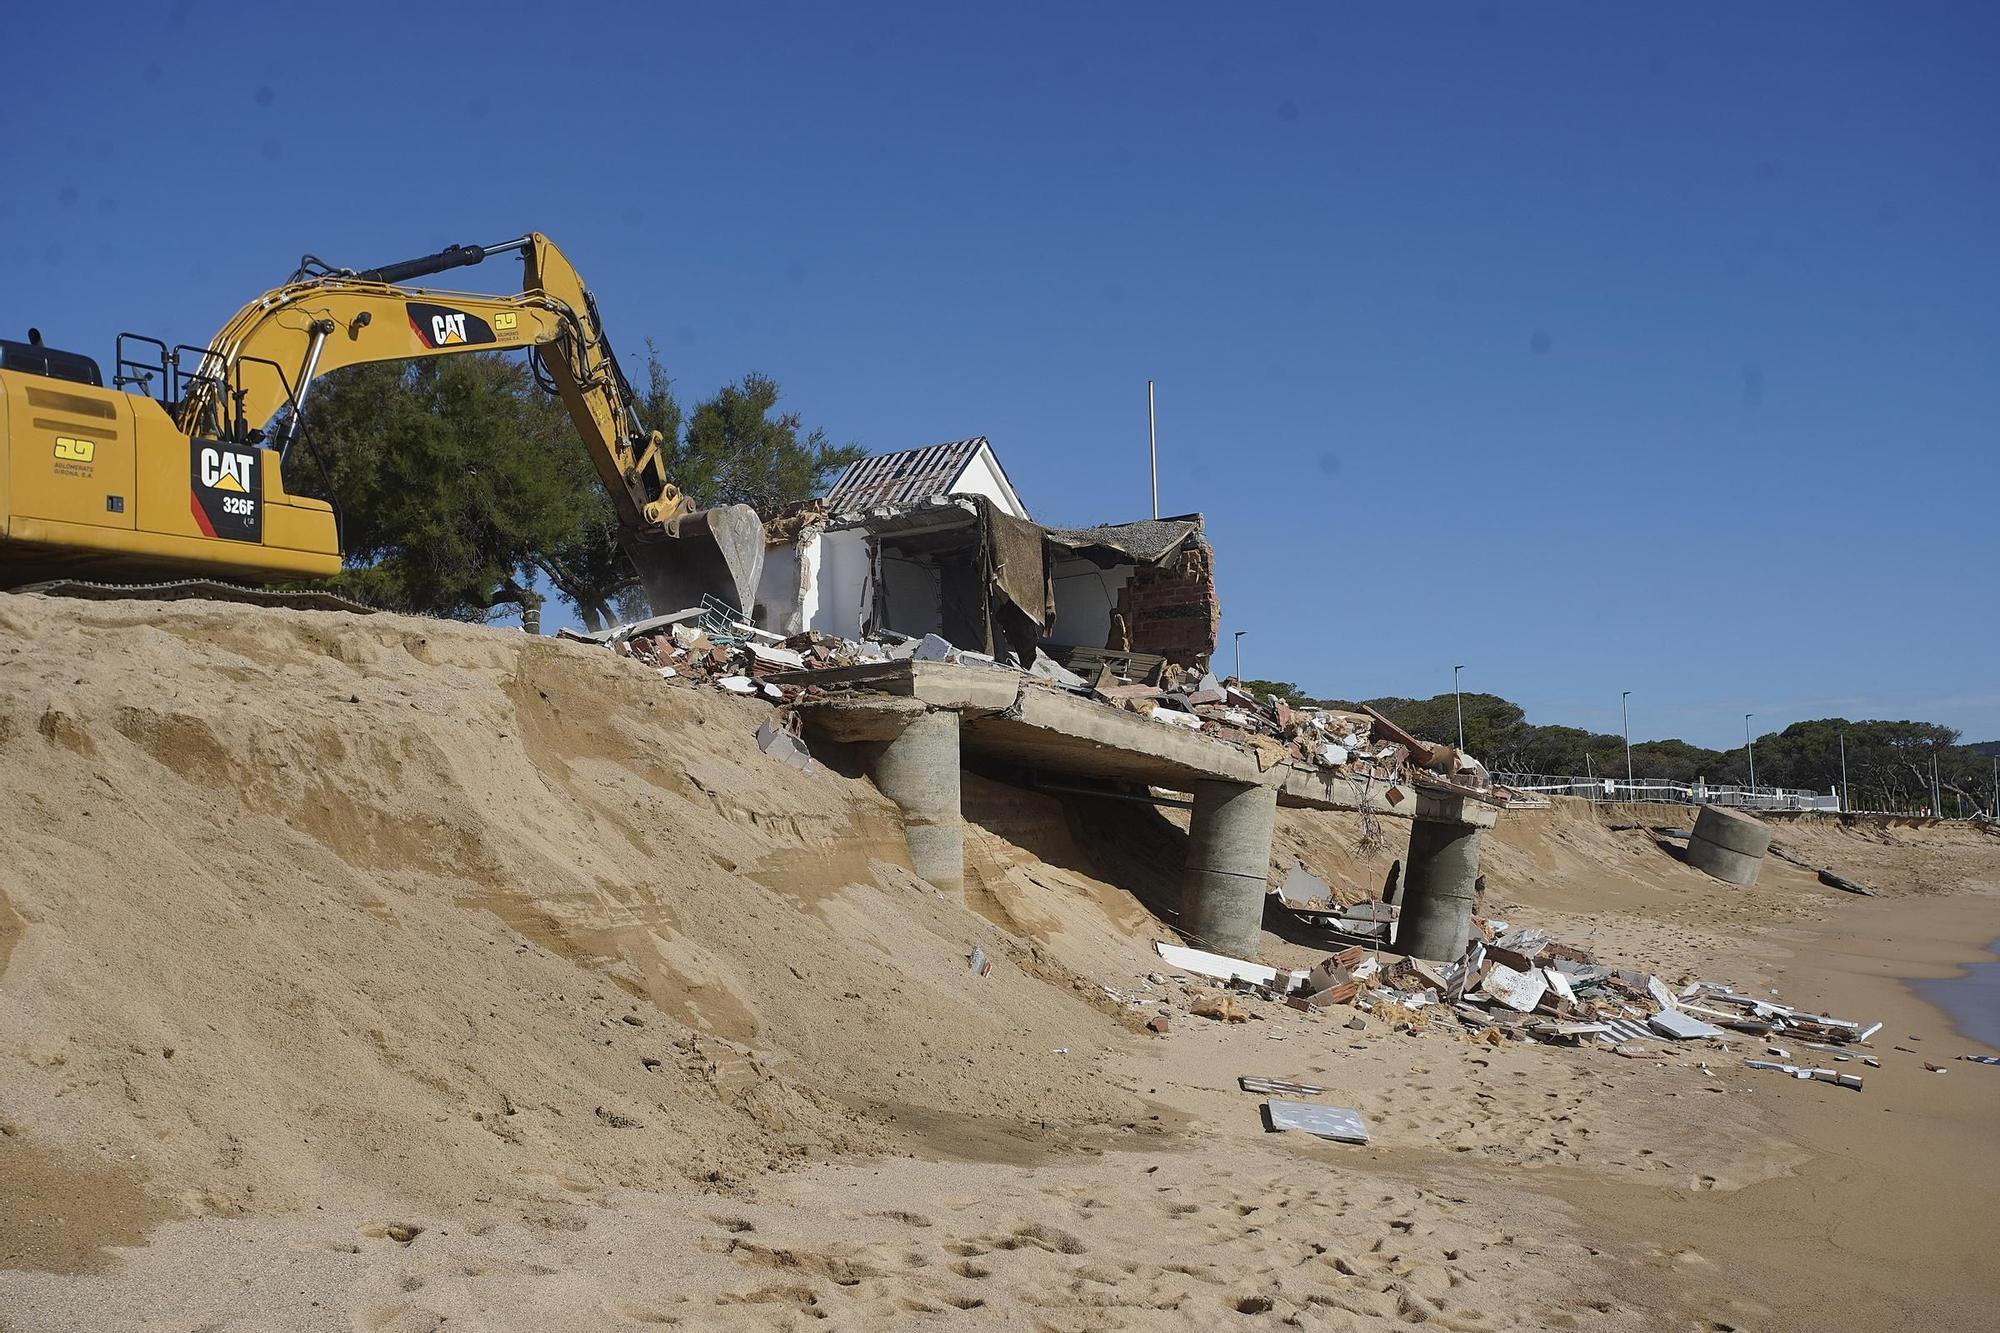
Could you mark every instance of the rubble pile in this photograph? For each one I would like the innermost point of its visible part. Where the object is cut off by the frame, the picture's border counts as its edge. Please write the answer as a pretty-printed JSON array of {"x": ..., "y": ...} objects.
[
  {"x": 711, "y": 646},
  {"x": 1511, "y": 984}
]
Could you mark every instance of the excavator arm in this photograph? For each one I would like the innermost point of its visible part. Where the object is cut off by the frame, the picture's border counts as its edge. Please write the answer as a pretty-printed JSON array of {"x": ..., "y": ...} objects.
[{"x": 265, "y": 360}]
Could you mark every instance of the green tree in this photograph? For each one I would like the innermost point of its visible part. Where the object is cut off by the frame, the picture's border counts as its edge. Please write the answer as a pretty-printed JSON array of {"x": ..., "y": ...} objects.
[
  {"x": 1284, "y": 689},
  {"x": 591, "y": 569},
  {"x": 444, "y": 491},
  {"x": 736, "y": 452},
  {"x": 1492, "y": 724}
]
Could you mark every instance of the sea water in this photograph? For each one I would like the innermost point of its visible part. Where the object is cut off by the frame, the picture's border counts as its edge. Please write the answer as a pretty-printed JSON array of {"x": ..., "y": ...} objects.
[{"x": 1973, "y": 1000}]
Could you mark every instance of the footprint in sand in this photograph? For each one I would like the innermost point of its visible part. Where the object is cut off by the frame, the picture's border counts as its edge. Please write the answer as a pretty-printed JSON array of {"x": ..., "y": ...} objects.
[
  {"x": 906, "y": 1218},
  {"x": 400, "y": 1317},
  {"x": 400, "y": 1232},
  {"x": 633, "y": 1312}
]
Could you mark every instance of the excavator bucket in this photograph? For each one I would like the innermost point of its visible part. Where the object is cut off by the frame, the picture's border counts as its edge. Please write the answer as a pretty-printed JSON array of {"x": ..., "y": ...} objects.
[{"x": 718, "y": 552}]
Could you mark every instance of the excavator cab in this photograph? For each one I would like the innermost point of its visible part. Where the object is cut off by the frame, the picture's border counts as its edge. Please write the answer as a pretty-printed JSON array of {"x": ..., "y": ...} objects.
[{"x": 34, "y": 358}]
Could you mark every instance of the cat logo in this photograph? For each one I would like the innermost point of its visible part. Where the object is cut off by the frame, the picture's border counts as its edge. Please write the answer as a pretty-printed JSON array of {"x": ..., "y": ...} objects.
[
  {"x": 440, "y": 326},
  {"x": 226, "y": 491},
  {"x": 226, "y": 470},
  {"x": 75, "y": 451}
]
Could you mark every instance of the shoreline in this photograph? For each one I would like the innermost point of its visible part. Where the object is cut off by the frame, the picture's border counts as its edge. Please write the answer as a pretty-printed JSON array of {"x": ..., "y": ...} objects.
[
  {"x": 1899, "y": 1174},
  {"x": 1963, "y": 972},
  {"x": 1956, "y": 964}
]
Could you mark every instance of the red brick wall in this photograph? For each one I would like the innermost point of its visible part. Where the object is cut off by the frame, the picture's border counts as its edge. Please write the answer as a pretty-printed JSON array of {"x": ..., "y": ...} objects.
[{"x": 1172, "y": 610}]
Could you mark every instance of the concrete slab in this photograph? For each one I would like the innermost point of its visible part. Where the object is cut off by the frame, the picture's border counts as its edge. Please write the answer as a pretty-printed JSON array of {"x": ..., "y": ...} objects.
[
  {"x": 1455, "y": 808},
  {"x": 1007, "y": 716}
]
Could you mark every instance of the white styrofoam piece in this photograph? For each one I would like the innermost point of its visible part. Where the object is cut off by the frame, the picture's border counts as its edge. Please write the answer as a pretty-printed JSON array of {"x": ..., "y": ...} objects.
[
  {"x": 1328, "y": 1122},
  {"x": 1224, "y": 968},
  {"x": 1673, "y": 1023},
  {"x": 1520, "y": 991}
]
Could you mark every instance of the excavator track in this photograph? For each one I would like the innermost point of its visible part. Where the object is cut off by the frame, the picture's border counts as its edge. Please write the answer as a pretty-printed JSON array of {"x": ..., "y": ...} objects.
[{"x": 211, "y": 590}]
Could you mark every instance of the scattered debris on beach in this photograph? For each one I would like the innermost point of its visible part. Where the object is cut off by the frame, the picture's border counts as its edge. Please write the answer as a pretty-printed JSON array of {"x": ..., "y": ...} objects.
[
  {"x": 1798, "y": 1071},
  {"x": 1512, "y": 983}
]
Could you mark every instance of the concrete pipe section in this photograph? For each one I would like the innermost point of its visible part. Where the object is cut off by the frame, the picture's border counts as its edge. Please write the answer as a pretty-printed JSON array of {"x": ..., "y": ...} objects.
[
  {"x": 918, "y": 770},
  {"x": 1441, "y": 875},
  {"x": 1728, "y": 844},
  {"x": 1227, "y": 871}
]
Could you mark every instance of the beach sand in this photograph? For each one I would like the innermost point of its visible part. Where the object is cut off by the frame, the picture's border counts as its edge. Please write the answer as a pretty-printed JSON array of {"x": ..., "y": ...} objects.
[{"x": 378, "y": 974}]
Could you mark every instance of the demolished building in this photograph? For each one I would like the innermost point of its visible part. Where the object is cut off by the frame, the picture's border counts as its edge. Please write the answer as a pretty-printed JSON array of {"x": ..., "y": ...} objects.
[
  {"x": 936, "y": 541},
  {"x": 917, "y": 616}
]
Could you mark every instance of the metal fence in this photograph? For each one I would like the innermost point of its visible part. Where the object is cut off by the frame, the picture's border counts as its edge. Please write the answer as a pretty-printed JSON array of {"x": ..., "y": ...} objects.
[{"x": 1605, "y": 790}]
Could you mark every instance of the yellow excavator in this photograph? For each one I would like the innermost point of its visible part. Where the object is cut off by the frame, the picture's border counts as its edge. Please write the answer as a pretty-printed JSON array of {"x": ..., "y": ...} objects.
[{"x": 184, "y": 479}]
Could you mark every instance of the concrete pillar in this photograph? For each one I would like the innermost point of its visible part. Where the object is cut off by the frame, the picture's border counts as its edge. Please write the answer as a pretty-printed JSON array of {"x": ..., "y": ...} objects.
[
  {"x": 1228, "y": 865},
  {"x": 918, "y": 770},
  {"x": 1440, "y": 875},
  {"x": 1728, "y": 845}
]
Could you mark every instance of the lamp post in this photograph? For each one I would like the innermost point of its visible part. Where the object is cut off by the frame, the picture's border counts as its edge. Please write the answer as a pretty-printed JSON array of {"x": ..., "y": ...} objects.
[
  {"x": 1458, "y": 704},
  {"x": 1153, "y": 447},
  {"x": 1844, "y": 804},
  {"x": 1239, "y": 654},
  {"x": 1625, "y": 709},
  {"x": 1751, "y": 750}
]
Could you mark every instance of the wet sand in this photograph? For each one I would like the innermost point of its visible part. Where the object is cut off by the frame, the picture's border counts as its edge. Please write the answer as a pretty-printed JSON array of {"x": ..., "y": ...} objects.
[{"x": 1890, "y": 1222}]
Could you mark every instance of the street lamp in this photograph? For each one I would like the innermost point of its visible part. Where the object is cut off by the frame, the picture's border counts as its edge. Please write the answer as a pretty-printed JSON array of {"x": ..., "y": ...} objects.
[
  {"x": 1239, "y": 654},
  {"x": 1844, "y": 804},
  {"x": 1625, "y": 708},
  {"x": 1752, "y": 751},
  {"x": 1459, "y": 704}
]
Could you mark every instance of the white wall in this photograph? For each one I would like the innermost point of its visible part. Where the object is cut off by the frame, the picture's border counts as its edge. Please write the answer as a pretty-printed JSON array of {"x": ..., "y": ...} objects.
[
  {"x": 835, "y": 603},
  {"x": 1085, "y": 598},
  {"x": 982, "y": 477},
  {"x": 778, "y": 591}
]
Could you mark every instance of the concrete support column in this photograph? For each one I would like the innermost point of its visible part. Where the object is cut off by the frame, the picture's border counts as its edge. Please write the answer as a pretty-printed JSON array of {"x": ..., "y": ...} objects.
[
  {"x": 918, "y": 770},
  {"x": 1440, "y": 875},
  {"x": 1728, "y": 844},
  {"x": 1228, "y": 865}
]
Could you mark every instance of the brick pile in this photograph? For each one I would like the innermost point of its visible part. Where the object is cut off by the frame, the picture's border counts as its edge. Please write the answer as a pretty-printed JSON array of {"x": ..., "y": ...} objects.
[{"x": 1171, "y": 608}]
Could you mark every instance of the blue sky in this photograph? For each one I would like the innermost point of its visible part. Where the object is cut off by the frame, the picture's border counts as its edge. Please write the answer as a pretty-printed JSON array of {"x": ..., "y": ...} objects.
[{"x": 1595, "y": 348}]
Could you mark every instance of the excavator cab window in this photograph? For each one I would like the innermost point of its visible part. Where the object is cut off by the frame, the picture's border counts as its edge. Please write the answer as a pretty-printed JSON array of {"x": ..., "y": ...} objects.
[{"x": 33, "y": 358}]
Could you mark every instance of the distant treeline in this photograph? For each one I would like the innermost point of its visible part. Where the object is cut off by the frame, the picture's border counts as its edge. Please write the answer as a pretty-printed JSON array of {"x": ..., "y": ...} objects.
[{"x": 1888, "y": 763}]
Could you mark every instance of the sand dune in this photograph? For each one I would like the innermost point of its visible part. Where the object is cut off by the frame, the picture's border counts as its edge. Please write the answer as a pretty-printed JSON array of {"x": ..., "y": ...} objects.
[{"x": 381, "y": 974}]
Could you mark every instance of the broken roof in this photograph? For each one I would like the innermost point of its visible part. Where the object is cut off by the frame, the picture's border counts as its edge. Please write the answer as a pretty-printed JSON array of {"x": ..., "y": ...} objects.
[
  {"x": 910, "y": 475},
  {"x": 1148, "y": 540}
]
